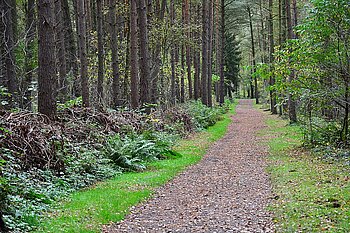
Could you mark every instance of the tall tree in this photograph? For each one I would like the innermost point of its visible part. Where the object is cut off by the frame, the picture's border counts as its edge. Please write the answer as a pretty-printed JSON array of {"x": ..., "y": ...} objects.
[
  {"x": 256, "y": 91},
  {"x": 188, "y": 49},
  {"x": 100, "y": 50},
  {"x": 291, "y": 35},
  {"x": 114, "y": 48},
  {"x": 81, "y": 24},
  {"x": 205, "y": 46},
  {"x": 60, "y": 51},
  {"x": 196, "y": 62},
  {"x": 222, "y": 53},
  {"x": 71, "y": 48},
  {"x": 26, "y": 102},
  {"x": 9, "y": 12},
  {"x": 144, "y": 53},
  {"x": 172, "y": 55},
  {"x": 272, "y": 50},
  {"x": 134, "y": 84},
  {"x": 210, "y": 52},
  {"x": 46, "y": 59}
]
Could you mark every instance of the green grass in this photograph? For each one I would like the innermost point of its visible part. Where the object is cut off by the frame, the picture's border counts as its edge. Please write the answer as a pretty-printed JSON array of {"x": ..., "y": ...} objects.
[
  {"x": 110, "y": 201},
  {"x": 312, "y": 195}
]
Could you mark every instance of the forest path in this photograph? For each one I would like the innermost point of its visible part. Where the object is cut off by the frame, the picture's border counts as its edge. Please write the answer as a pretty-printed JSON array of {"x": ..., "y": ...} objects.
[{"x": 227, "y": 191}]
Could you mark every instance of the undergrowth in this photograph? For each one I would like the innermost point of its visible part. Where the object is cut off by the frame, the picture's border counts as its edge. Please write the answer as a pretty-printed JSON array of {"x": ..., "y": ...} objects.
[
  {"x": 110, "y": 201},
  {"x": 312, "y": 192},
  {"x": 42, "y": 162}
]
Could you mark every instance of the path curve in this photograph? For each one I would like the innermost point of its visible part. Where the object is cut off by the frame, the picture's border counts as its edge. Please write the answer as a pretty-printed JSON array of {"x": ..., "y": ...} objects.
[{"x": 227, "y": 191}]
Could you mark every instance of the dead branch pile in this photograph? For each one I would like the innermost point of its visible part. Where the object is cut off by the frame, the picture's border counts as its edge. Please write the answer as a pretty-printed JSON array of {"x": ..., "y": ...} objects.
[{"x": 37, "y": 141}]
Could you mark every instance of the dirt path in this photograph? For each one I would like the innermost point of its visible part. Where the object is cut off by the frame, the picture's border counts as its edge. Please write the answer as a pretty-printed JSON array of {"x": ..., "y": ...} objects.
[{"x": 226, "y": 192}]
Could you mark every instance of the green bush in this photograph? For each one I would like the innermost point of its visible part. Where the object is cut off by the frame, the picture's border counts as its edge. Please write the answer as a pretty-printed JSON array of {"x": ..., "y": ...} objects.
[
  {"x": 132, "y": 151},
  {"x": 204, "y": 116}
]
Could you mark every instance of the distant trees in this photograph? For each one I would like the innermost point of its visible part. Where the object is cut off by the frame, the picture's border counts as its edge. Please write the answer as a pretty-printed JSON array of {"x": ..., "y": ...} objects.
[
  {"x": 111, "y": 53},
  {"x": 300, "y": 65}
]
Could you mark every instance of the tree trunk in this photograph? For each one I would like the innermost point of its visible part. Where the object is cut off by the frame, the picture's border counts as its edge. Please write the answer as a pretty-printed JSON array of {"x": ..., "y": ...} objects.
[
  {"x": 291, "y": 35},
  {"x": 188, "y": 49},
  {"x": 10, "y": 60},
  {"x": 71, "y": 49},
  {"x": 210, "y": 53},
  {"x": 46, "y": 59},
  {"x": 256, "y": 93},
  {"x": 134, "y": 85},
  {"x": 31, "y": 31},
  {"x": 205, "y": 46},
  {"x": 182, "y": 81},
  {"x": 273, "y": 101},
  {"x": 172, "y": 56},
  {"x": 196, "y": 63},
  {"x": 144, "y": 53},
  {"x": 100, "y": 52},
  {"x": 114, "y": 48},
  {"x": 60, "y": 52},
  {"x": 222, "y": 54},
  {"x": 83, "y": 52}
]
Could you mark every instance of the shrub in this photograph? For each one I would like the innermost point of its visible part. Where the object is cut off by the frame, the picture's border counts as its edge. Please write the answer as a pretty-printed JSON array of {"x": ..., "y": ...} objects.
[{"x": 132, "y": 151}]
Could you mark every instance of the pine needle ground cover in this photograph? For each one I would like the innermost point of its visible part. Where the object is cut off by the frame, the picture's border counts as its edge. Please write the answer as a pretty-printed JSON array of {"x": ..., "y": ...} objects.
[
  {"x": 312, "y": 192},
  {"x": 110, "y": 201}
]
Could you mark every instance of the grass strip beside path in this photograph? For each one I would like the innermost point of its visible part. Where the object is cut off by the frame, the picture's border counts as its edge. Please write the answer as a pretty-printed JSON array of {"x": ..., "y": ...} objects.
[
  {"x": 110, "y": 201},
  {"x": 312, "y": 195}
]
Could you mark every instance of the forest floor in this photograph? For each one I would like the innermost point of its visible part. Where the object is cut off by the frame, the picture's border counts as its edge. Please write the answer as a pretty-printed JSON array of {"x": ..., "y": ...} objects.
[{"x": 227, "y": 191}]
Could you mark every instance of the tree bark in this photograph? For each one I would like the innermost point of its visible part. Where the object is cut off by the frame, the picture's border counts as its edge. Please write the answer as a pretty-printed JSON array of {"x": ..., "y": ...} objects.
[
  {"x": 188, "y": 49},
  {"x": 172, "y": 56},
  {"x": 100, "y": 52},
  {"x": 46, "y": 59},
  {"x": 256, "y": 93},
  {"x": 210, "y": 53},
  {"x": 71, "y": 49},
  {"x": 222, "y": 54},
  {"x": 60, "y": 52},
  {"x": 83, "y": 52},
  {"x": 273, "y": 101},
  {"x": 26, "y": 102},
  {"x": 205, "y": 46},
  {"x": 9, "y": 57},
  {"x": 291, "y": 35},
  {"x": 114, "y": 48},
  {"x": 134, "y": 85},
  {"x": 144, "y": 53}
]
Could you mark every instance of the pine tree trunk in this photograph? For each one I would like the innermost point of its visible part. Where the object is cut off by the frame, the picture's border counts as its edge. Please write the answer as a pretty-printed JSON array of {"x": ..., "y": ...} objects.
[
  {"x": 9, "y": 57},
  {"x": 100, "y": 51},
  {"x": 291, "y": 35},
  {"x": 172, "y": 57},
  {"x": 46, "y": 59},
  {"x": 205, "y": 46},
  {"x": 144, "y": 53},
  {"x": 114, "y": 48},
  {"x": 222, "y": 54},
  {"x": 188, "y": 49},
  {"x": 273, "y": 101},
  {"x": 71, "y": 49},
  {"x": 83, "y": 52},
  {"x": 60, "y": 52},
  {"x": 196, "y": 63},
  {"x": 134, "y": 84},
  {"x": 31, "y": 31},
  {"x": 210, "y": 53},
  {"x": 256, "y": 91}
]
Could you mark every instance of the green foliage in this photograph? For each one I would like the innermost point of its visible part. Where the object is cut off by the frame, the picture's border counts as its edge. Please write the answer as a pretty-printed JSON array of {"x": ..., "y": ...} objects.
[
  {"x": 204, "y": 116},
  {"x": 129, "y": 188},
  {"x": 311, "y": 193},
  {"x": 77, "y": 102}
]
